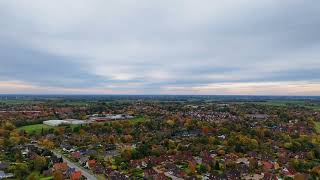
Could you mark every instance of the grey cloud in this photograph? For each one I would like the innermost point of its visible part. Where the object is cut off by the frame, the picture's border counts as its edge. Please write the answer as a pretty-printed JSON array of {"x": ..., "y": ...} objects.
[
  {"x": 187, "y": 46},
  {"x": 20, "y": 63}
]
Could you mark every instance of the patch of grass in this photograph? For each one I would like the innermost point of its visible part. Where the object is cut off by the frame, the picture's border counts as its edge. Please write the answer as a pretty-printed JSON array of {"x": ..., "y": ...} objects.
[
  {"x": 318, "y": 127},
  {"x": 46, "y": 178},
  {"x": 36, "y": 128},
  {"x": 138, "y": 119}
]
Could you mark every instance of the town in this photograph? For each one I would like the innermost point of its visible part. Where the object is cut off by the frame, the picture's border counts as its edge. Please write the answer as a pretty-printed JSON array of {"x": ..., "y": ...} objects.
[{"x": 177, "y": 139}]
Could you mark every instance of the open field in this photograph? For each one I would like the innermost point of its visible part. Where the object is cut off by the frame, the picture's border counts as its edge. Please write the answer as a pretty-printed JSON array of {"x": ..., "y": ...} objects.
[
  {"x": 138, "y": 119},
  {"x": 18, "y": 101},
  {"x": 285, "y": 103},
  {"x": 37, "y": 128}
]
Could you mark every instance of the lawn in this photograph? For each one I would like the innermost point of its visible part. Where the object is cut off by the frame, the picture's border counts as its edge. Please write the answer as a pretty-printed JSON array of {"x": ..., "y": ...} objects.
[
  {"x": 138, "y": 119},
  {"x": 318, "y": 127},
  {"x": 46, "y": 178},
  {"x": 37, "y": 128}
]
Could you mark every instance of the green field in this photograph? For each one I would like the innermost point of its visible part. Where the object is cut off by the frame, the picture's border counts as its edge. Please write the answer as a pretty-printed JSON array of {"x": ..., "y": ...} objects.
[
  {"x": 138, "y": 119},
  {"x": 318, "y": 127},
  {"x": 286, "y": 103},
  {"x": 36, "y": 128},
  {"x": 18, "y": 101}
]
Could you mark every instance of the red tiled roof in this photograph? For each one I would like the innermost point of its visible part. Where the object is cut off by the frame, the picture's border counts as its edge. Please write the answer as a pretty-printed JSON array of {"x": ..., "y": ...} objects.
[
  {"x": 76, "y": 175},
  {"x": 60, "y": 166},
  {"x": 76, "y": 154},
  {"x": 267, "y": 165},
  {"x": 91, "y": 163}
]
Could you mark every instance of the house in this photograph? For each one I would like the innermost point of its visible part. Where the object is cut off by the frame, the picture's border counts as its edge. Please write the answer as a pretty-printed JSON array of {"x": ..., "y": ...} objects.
[
  {"x": 216, "y": 176},
  {"x": 76, "y": 175},
  {"x": 60, "y": 167},
  {"x": 257, "y": 116},
  {"x": 110, "y": 147},
  {"x": 54, "y": 159},
  {"x": 4, "y": 166},
  {"x": 149, "y": 173},
  {"x": 91, "y": 163},
  {"x": 115, "y": 175},
  {"x": 160, "y": 176},
  {"x": 233, "y": 174},
  {"x": 69, "y": 171},
  {"x": 99, "y": 169},
  {"x": 269, "y": 176},
  {"x": 267, "y": 166},
  {"x": 253, "y": 177},
  {"x": 83, "y": 160},
  {"x": 290, "y": 172},
  {"x": 4, "y": 175},
  {"x": 76, "y": 155},
  {"x": 243, "y": 161},
  {"x": 139, "y": 163}
]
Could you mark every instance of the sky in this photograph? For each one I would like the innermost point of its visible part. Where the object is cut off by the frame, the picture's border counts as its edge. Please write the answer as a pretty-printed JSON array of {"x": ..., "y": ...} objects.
[{"x": 218, "y": 47}]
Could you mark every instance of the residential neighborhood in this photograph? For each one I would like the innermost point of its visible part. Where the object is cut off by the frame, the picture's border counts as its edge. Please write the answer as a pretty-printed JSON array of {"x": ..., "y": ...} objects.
[{"x": 166, "y": 140}]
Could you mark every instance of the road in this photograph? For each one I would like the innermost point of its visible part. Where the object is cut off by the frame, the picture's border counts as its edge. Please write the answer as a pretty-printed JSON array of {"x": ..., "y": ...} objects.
[{"x": 71, "y": 164}]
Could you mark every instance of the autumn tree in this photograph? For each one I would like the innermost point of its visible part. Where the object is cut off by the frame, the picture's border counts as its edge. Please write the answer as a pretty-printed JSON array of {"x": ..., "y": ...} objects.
[
  {"x": 57, "y": 175},
  {"x": 39, "y": 163},
  {"x": 191, "y": 167}
]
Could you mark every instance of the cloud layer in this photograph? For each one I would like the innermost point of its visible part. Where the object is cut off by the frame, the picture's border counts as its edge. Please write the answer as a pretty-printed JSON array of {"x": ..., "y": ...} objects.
[{"x": 160, "y": 47}]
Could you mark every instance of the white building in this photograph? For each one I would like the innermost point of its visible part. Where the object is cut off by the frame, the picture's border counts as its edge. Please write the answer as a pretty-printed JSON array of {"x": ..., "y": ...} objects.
[{"x": 64, "y": 122}]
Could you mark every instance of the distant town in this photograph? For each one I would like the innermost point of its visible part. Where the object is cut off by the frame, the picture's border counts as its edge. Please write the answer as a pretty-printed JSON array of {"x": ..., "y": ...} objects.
[{"x": 159, "y": 138}]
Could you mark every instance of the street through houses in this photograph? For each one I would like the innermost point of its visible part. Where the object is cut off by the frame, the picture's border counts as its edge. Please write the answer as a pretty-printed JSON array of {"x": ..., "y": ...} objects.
[{"x": 71, "y": 164}]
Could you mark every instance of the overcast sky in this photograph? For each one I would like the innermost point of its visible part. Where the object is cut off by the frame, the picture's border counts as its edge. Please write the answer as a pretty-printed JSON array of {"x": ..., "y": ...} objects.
[{"x": 239, "y": 47}]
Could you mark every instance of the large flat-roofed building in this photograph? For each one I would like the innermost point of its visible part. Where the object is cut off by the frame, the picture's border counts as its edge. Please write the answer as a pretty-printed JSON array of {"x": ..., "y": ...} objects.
[
  {"x": 64, "y": 122},
  {"x": 109, "y": 117}
]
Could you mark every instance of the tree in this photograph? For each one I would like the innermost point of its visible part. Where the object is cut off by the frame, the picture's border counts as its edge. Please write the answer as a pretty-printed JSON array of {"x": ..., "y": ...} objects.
[
  {"x": 217, "y": 166},
  {"x": 253, "y": 164},
  {"x": 202, "y": 168},
  {"x": 126, "y": 153},
  {"x": 8, "y": 126},
  {"x": 57, "y": 175},
  {"x": 170, "y": 123},
  {"x": 191, "y": 167},
  {"x": 20, "y": 170},
  {"x": 205, "y": 130},
  {"x": 47, "y": 143},
  {"x": 40, "y": 163},
  {"x": 34, "y": 176}
]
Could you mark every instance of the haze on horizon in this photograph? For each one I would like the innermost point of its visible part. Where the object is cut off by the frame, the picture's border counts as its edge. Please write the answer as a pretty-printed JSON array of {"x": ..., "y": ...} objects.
[{"x": 243, "y": 47}]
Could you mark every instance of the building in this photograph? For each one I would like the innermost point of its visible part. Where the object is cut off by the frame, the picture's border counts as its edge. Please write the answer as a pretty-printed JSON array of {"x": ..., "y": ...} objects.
[
  {"x": 109, "y": 117},
  {"x": 4, "y": 175},
  {"x": 64, "y": 122}
]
